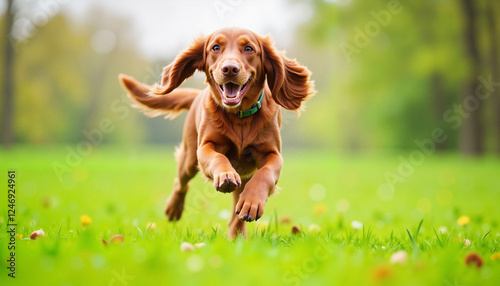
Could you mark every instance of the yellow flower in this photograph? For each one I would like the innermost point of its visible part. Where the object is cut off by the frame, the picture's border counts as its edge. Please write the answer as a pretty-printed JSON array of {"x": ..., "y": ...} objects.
[
  {"x": 319, "y": 209},
  {"x": 314, "y": 228},
  {"x": 85, "y": 220},
  {"x": 19, "y": 236},
  {"x": 463, "y": 220},
  {"x": 495, "y": 256}
]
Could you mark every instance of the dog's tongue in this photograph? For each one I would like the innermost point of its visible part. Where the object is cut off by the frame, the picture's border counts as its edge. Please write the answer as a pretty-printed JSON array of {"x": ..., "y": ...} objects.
[{"x": 231, "y": 89}]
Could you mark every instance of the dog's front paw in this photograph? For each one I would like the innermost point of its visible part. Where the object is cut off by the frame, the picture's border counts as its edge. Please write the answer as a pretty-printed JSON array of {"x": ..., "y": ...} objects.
[
  {"x": 227, "y": 182},
  {"x": 251, "y": 204}
]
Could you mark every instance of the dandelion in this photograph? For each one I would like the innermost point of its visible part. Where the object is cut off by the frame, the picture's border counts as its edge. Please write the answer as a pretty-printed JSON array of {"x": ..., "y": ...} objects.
[
  {"x": 295, "y": 230},
  {"x": 356, "y": 224},
  {"x": 495, "y": 256},
  {"x": 37, "y": 234},
  {"x": 463, "y": 220},
  {"x": 314, "y": 228},
  {"x": 399, "y": 257},
  {"x": 474, "y": 258},
  {"x": 319, "y": 209},
  {"x": 186, "y": 247},
  {"x": 85, "y": 220},
  {"x": 19, "y": 236}
]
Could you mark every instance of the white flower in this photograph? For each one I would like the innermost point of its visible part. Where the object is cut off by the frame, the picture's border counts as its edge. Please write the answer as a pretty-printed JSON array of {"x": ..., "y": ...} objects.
[
  {"x": 466, "y": 242},
  {"x": 186, "y": 247},
  {"x": 399, "y": 257},
  {"x": 200, "y": 245},
  {"x": 356, "y": 224}
]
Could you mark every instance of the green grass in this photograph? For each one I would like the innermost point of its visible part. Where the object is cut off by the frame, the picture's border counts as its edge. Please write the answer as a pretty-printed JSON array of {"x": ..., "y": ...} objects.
[{"x": 123, "y": 190}]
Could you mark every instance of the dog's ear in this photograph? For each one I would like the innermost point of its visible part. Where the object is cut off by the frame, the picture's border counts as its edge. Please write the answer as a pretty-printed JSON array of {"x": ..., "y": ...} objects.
[
  {"x": 287, "y": 79},
  {"x": 183, "y": 67}
]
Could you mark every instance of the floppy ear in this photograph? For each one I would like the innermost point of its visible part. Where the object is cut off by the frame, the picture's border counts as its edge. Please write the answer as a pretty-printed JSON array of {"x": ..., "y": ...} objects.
[
  {"x": 288, "y": 80},
  {"x": 183, "y": 67}
]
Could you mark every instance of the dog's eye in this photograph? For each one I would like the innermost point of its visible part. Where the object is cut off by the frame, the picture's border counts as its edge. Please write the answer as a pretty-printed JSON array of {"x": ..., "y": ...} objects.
[
  {"x": 248, "y": 49},
  {"x": 216, "y": 48}
]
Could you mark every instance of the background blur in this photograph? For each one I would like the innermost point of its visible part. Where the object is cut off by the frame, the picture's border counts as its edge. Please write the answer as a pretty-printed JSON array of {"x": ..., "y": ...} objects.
[{"x": 389, "y": 74}]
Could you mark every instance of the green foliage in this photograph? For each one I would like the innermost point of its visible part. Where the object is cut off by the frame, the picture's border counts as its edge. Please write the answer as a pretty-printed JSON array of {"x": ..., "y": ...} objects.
[
  {"x": 403, "y": 67},
  {"x": 386, "y": 92}
]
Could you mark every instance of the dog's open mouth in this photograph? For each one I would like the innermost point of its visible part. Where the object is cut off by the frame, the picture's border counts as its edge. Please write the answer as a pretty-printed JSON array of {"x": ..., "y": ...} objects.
[{"x": 233, "y": 93}]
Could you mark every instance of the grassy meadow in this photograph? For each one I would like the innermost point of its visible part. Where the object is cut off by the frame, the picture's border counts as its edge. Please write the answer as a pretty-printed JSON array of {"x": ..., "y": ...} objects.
[{"x": 350, "y": 227}]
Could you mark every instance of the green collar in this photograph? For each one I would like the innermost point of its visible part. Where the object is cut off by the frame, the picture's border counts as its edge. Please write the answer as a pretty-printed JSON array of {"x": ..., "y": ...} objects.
[{"x": 253, "y": 109}]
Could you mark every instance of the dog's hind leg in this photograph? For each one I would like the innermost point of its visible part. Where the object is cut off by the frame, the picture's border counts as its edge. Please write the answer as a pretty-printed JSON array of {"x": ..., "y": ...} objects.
[{"x": 186, "y": 170}]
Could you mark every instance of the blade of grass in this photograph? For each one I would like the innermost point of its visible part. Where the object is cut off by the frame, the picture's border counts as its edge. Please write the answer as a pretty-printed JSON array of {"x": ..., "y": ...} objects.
[
  {"x": 140, "y": 232},
  {"x": 418, "y": 228},
  {"x": 276, "y": 220},
  {"x": 484, "y": 236},
  {"x": 411, "y": 238},
  {"x": 146, "y": 234},
  {"x": 59, "y": 231},
  {"x": 438, "y": 238}
]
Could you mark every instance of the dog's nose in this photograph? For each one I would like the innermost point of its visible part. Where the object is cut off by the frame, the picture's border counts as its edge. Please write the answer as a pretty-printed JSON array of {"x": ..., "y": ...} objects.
[{"x": 230, "y": 69}]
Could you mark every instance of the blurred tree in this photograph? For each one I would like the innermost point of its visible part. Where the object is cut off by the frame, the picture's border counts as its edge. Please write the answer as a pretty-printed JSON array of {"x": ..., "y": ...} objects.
[
  {"x": 392, "y": 68},
  {"x": 7, "y": 121},
  {"x": 492, "y": 26},
  {"x": 471, "y": 137},
  {"x": 406, "y": 71}
]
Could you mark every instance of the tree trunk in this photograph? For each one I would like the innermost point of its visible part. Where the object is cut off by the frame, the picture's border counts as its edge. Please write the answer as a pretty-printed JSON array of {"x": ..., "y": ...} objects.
[
  {"x": 471, "y": 137},
  {"x": 438, "y": 102},
  {"x": 7, "y": 137},
  {"x": 495, "y": 73}
]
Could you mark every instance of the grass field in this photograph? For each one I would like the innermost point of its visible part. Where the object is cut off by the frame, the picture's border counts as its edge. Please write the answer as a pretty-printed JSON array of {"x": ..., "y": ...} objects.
[{"x": 350, "y": 227}]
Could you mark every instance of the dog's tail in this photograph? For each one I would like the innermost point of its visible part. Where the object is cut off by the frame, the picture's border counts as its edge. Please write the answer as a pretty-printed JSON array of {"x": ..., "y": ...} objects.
[{"x": 152, "y": 105}]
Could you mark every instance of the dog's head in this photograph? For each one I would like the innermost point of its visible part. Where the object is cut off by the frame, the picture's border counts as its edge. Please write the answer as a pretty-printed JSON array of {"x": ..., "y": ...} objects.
[{"x": 237, "y": 63}]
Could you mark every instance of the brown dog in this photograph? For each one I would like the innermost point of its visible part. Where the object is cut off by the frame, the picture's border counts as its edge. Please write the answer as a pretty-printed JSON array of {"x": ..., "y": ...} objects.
[{"x": 232, "y": 130}]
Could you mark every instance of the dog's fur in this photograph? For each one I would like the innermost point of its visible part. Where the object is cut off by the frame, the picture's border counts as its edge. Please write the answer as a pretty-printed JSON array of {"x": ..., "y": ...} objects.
[{"x": 240, "y": 155}]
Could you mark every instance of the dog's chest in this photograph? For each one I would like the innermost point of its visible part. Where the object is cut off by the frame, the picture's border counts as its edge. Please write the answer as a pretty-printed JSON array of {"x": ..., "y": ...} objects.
[{"x": 244, "y": 163}]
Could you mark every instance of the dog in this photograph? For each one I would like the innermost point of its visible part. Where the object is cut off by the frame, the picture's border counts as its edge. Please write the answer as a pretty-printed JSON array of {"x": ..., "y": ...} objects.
[{"x": 232, "y": 130}]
